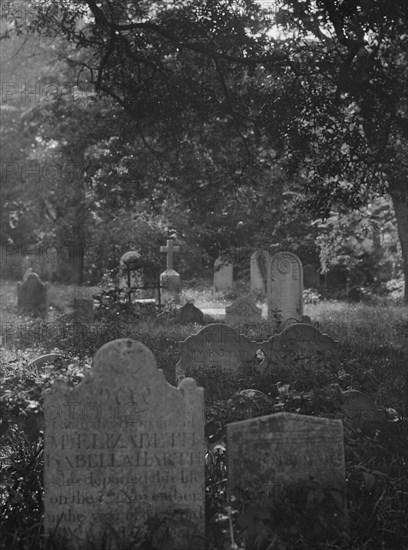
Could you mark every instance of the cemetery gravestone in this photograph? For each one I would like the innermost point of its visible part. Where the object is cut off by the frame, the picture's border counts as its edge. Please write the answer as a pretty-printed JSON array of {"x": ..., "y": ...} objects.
[
  {"x": 270, "y": 455},
  {"x": 285, "y": 287},
  {"x": 122, "y": 449},
  {"x": 311, "y": 277},
  {"x": 362, "y": 411},
  {"x": 299, "y": 347},
  {"x": 259, "y": 270},
  {"x": 218, "y": 348},
  {"x": 32, "y": 296},
  {"x": 170, "y": 279},
  {"x": 189, "y": 313},
  {"x": 223, "y": 274},
  {"x": 243, "y": 310}
]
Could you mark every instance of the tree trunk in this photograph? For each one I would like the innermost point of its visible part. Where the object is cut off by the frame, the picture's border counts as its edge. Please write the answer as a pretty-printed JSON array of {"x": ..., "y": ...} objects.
[{"x": 399, "y": 196}]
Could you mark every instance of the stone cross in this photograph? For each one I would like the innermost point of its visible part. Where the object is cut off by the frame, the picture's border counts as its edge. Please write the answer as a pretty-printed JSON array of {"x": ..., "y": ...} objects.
[{"x": 170, "y": 249}]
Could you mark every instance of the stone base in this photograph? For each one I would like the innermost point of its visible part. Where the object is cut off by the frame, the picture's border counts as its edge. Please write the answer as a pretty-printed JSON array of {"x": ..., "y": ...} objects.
[{"x": 170, "y": 280}]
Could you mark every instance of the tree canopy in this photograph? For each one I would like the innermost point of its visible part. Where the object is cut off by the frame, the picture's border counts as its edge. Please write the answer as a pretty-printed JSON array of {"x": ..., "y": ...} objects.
[{"x": 232, "y": 99}]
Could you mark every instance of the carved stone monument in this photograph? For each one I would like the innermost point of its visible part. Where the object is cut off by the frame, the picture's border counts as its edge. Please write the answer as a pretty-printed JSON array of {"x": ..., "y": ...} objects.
[
  {"x": 124, "y": 449},
  {"x": 170, "y": 279}
]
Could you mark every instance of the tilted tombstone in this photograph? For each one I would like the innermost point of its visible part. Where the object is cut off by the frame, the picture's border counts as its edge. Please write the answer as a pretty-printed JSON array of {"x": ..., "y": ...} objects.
[
  {"x": 124, "y": 449},
  {"x": 243, "y": 310},
  {"x": 363, "y": 412},
  {"x": 189, "y": 313},
  {"x": 223, "y": 274},
  {"x": 259, "y": 270},
  {"x": 287, "y": 453},
  {"x": 32, "y": 296},
  {"x": 311, "y": 277},
  {"x": 216, "y": 348},
  {"x": 285, "y": 287}
]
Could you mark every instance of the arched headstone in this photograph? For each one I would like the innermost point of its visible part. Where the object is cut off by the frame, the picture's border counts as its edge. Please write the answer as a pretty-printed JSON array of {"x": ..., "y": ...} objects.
[{"x": 285, "y": 287}]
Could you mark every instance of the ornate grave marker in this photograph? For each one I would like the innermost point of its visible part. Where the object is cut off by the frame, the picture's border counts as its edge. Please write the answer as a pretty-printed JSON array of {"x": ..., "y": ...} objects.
[
  {"x": 285, "y": 287},
  {"x": 124, "y": 449},
  {"x": 271, "y": 455},
  {"x": 243, "y": 310},
  {"x": 32, "y": 295}
]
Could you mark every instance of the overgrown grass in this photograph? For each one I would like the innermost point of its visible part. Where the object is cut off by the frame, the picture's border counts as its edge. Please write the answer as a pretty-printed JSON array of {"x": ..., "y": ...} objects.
[{"x": 372, "y": 357}]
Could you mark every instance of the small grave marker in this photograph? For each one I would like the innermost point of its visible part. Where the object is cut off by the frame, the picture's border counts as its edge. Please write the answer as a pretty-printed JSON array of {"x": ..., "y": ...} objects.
[
  {"x": 223, "y": 274},
  {"x": 189, "y": 313},
  {"x": 124, "y": 449},
  {"x": 363, "y": 412},
  {"x": 243, "y": 310},
  {"x": 270, "y": 455},
  {"x": 32, "y": 295},
  {"x": 285, "y": 287}
]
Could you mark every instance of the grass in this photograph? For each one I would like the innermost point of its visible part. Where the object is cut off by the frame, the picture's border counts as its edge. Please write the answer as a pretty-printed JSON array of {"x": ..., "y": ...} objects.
[{"x": 372, "y": 357}]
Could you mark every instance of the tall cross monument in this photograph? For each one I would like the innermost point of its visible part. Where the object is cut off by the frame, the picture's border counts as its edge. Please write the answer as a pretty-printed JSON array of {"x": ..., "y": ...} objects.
[{"x": 170, "y": 279}]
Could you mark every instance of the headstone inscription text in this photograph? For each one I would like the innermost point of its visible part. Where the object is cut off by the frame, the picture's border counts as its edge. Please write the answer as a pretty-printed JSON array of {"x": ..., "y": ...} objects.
[
  {"x": 124, "y": 447},
  {"x": 216, "y": 347},
  {"x": 271, "y": 454}
]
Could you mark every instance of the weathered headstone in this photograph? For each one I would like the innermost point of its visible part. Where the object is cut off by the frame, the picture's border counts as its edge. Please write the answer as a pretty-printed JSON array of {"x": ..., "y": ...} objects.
[
  {"x": 223, "y": 274},
  {"x": 285, "y": 287},
  {"x": 170, "y": 279},
  {"x": 32, "y": 296},
  {"x": 298, "y": 348},
  {"x": 259, "y": 270},
  {"x": 243, "y": 310},
  {"x": 311, "y": 277},
  {"x": 189, "y": 313},
  {"x": 272, "y": 455},
  {"x": 124, "y": 454},
  {"x": 216, "y": 348},
  {"x": 362, "y": 411}
]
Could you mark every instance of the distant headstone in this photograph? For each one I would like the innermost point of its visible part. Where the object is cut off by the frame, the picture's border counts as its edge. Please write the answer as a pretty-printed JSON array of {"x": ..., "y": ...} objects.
[
  {"x": 216, "y": 348},
  {"x": 285, "y": 287},
  {"x": 170, "y": 279},
  {"x": 32, "y": 296},
  {"x": 243, "y": 310},
  {"x": 290, "y": 454},
  {"x": 259, "y": 270},
  {"x": 189, "y": 313},
  {"x": 311, "y": 277},
  {"x": 223, "y": 274},
  {"x": 362, "y": 411},
  {"x": 123, "y": 450}
]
